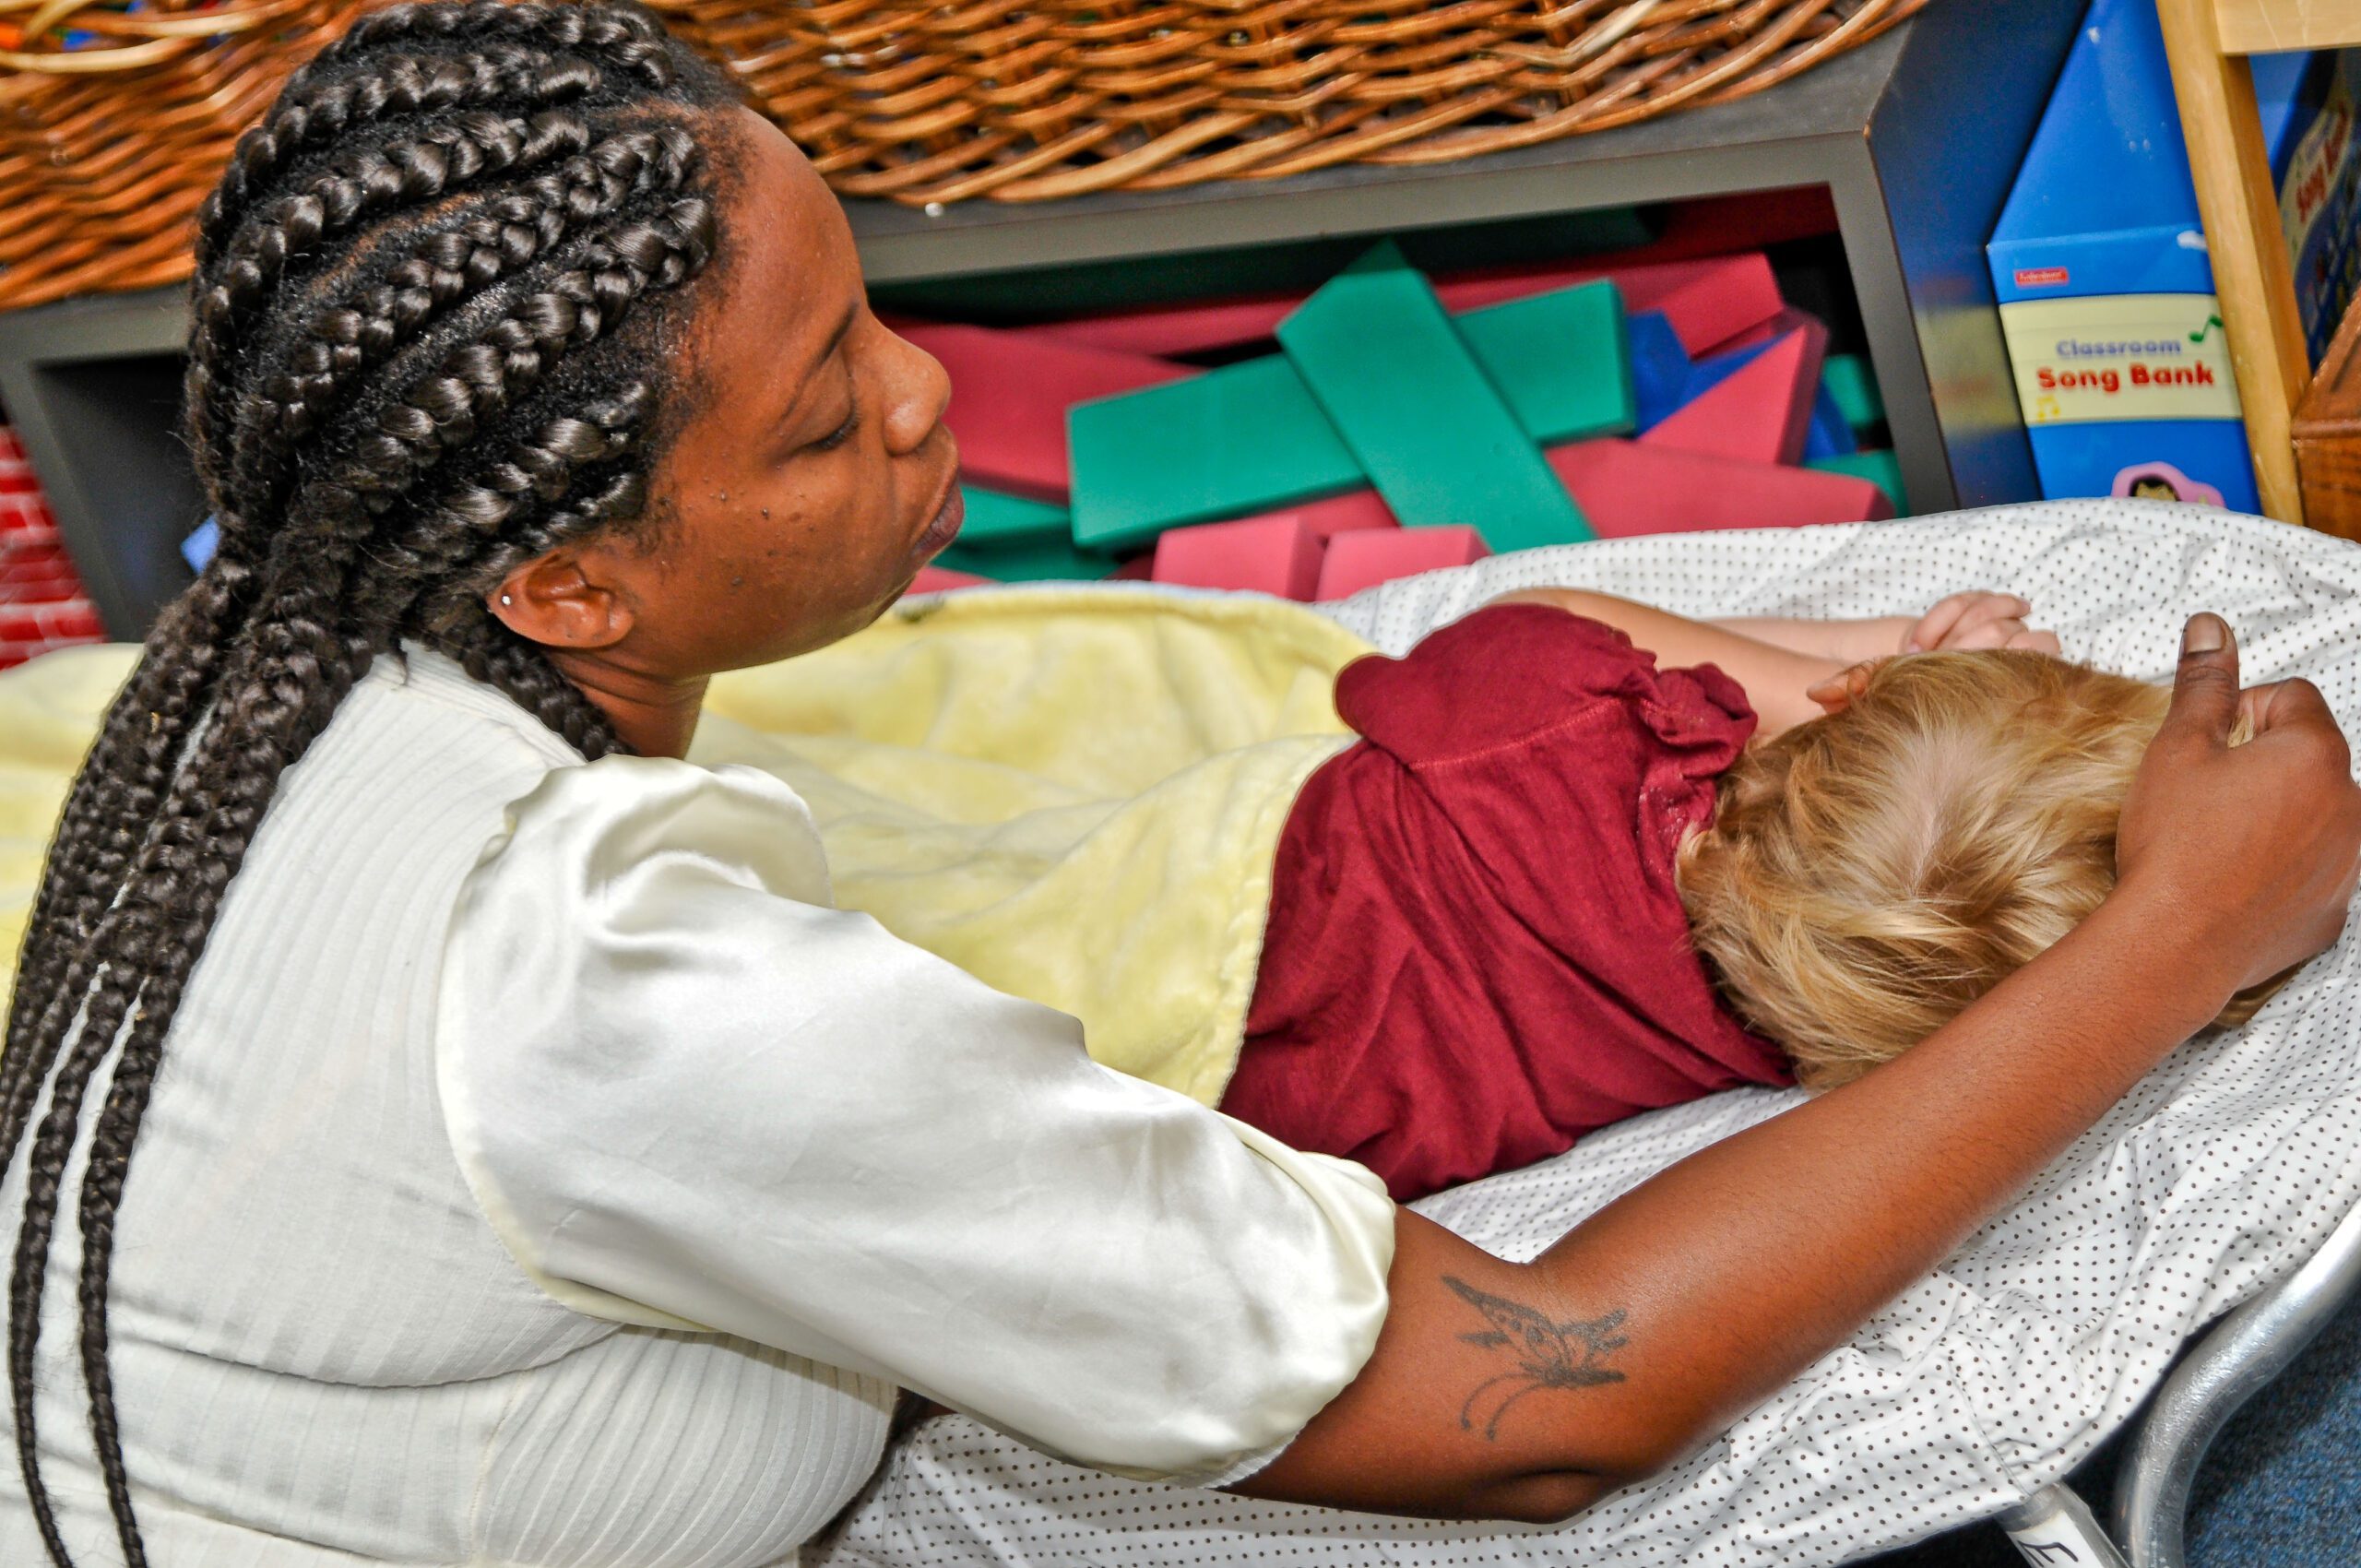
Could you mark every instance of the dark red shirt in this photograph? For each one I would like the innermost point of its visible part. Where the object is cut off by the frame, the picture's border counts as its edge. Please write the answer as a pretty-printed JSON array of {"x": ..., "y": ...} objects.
[{"x": 1476, "y": 953}]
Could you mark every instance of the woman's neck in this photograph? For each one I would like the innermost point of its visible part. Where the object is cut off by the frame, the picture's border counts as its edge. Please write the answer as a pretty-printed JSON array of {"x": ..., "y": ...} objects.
[{"x": 655, "y": 716}]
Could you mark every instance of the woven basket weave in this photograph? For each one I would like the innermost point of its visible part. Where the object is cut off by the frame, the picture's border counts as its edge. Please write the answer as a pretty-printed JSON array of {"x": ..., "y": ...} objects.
[{"x": 107, "y": 148}]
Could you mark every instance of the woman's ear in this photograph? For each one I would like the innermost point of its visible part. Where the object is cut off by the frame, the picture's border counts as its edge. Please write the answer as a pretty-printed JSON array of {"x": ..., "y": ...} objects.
[
  {"x": 1837, "y": 693},
  {"x": 552, "y": 602}
]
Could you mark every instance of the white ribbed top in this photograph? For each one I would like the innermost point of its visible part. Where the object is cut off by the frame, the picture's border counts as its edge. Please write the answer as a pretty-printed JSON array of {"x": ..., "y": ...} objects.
[
  {"x": 322, "y": 1351},
  {"x": 502, "y": 1075}
]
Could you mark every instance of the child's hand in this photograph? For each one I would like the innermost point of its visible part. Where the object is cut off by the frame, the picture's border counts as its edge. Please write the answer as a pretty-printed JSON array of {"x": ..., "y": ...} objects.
[
  {"x": 1977, "y": 619},
  {"x": 1837, "y": 693}
]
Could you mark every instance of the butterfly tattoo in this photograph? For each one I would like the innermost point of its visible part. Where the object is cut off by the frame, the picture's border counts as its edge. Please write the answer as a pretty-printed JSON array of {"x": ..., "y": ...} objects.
[{"x": 1550, "y": 1355}]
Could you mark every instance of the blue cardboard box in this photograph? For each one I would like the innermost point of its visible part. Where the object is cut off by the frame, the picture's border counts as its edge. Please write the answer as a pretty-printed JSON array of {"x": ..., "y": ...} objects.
[{"x": 2106, "y": 294}]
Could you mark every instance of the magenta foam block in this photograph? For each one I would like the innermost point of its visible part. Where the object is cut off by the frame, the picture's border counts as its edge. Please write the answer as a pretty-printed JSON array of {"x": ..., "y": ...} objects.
[
  {"x": 1193, "y": 328},
  {"x": 1274, "y": 555},
  {"x": 1759, "y": 413},
  {"x": 1630, "y": 487},
  {"x": 1009, "y": 396},
  {"x": 1352, "y": 512},
  {"x": 1708, "y": 301},
  {"x": 1358, "y": 560},
  {"x": 1789, "y": 319}
]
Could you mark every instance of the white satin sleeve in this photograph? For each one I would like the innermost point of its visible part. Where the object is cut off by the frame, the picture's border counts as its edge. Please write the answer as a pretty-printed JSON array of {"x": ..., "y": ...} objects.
[{"x": 687, "y": 1092}]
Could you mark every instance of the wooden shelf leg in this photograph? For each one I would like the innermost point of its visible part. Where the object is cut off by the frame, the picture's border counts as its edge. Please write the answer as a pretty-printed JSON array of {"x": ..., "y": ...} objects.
[{"x": 2241, "y": 207}]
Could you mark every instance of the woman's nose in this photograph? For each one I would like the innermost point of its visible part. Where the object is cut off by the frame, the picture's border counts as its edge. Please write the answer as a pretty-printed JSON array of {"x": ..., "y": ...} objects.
[{"x": 917, "y": 393}]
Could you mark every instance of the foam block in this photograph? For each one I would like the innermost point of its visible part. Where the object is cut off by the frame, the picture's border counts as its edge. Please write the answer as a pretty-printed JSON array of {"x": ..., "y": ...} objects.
[
  {"x": 938, "y": 579},
  {"x": 1660, "y": 369},
  {"x": 1879, "y": 468},
  {"x": 1758, "y": 413},
  {"x": 1788, "y": 319},
  {"x": 1010, "y": 392},
  {"x": 995, "y": 519},
  {"x": 1196, "y": 327},
  {"x": 1630, "y": 487},
  {"x": 1829, "y": 435},
  {"x": 1437, "y": 439},
  {"x": 1248, "y": 437},
  {"x": 1352, "y": 512},
  {"x": 1562, "y": 360},
  {"x": 1855, "y": 388},
  {"x": 1274, "y": 555},
  {"x": 1028, "y": 561},
  {"x": 1358, "y": 560},
  {"x": 1708, "y": 300}
]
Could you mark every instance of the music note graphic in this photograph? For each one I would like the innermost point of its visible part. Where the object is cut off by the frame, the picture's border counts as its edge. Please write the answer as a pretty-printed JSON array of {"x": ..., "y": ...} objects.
[{"x": 2211, "y": 322}]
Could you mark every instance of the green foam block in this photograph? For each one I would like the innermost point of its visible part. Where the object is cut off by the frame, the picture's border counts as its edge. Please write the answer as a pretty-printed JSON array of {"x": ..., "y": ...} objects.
[
  {"x": 1878, "y": 467},
  {"x": 993, "y": 518},
  {"x": 1562, "y": 360},
  {"x": 1848, "y": 381},
  {"x": 1244, "y": 438},
  {"x": 1441, "y": 445},
  {"x": 1053, "y": 559}
]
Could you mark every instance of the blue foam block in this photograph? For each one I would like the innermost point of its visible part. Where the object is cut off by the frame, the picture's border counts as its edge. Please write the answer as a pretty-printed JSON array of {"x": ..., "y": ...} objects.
[
  {"x": 1831, "y": 435},
  {"x": 1659, "y": 368}
]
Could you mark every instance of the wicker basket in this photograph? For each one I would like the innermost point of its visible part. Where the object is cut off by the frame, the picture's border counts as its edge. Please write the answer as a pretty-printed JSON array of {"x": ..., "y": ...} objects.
[{"x": 114, "y": 121}]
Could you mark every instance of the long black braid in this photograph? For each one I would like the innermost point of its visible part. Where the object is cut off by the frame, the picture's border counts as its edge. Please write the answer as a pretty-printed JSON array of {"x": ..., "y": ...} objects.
[{"x": 433, "y": 290}]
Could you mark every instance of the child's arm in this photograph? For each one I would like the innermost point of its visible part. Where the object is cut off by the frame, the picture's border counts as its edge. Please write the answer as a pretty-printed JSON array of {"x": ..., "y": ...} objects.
[
  {"x": 1775, "y": 679},
  {"x": 1780, "y": 663},
  {"x": 1977, "y": 618}
]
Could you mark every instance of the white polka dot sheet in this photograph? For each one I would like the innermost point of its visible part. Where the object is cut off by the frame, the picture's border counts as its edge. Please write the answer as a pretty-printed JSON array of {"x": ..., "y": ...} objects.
[{"x": 2219, "y": 1172}]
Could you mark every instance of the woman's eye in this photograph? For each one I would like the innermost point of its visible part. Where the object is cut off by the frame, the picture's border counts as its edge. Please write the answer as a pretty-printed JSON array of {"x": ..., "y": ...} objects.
[{"x": 839, "y": 436}]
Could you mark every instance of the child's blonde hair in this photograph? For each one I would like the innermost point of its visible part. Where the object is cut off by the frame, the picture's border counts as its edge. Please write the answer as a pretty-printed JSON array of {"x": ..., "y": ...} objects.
[{"x": 1871, "y": 873}]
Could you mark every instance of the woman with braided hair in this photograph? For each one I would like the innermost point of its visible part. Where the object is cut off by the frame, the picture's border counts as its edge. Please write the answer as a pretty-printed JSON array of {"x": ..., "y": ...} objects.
[{"x": 533, "y": 1167}]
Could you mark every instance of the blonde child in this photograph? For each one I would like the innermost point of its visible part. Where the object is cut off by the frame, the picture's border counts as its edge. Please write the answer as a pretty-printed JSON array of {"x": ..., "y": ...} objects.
[
  {"x": 1558, "y": 883},
  {"x": 1476, "y": 951},
  {"x": 1871, "y": 873}
]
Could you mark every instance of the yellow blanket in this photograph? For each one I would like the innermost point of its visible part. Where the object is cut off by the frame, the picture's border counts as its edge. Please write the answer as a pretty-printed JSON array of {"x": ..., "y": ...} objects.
[{"x": 1074, "y": 796}]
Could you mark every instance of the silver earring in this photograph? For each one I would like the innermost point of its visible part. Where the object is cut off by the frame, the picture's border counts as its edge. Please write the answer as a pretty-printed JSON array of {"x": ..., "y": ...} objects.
[{"x": 505, "y": 599}]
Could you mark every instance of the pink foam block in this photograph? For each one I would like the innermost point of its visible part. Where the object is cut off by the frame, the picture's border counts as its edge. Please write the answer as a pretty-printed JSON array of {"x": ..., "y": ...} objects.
[
  {"x": 1010, "y": 392},
  {"x": 1275, "y": 555},
  {"x": 1789, "y": 319},
  {"x": 1630, "y": 487},
  {"x": 1138, "y": 569},
  {"x": 942, "y": 579},
  {"x": 1352, "y": 512},
  {"x": 1759, "y": 414},
  {"x": 1358, "y": 560},
  {"x": 1707, "y": 301}
]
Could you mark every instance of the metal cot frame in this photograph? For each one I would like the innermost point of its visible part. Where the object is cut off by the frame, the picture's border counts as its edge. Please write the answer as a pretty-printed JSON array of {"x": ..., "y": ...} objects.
[{"x": 2223, "y": 1368}]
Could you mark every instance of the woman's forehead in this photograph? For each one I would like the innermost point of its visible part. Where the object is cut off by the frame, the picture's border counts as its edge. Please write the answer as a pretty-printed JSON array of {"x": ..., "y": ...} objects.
[{"x": 790, "y": 271}]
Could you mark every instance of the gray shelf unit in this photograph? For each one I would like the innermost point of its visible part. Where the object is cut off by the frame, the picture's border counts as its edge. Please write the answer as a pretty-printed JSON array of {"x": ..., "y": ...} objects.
[{"x": 1917, "y": 138}]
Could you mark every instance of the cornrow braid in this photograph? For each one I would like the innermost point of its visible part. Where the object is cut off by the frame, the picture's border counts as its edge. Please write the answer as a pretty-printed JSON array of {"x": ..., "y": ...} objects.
[
  {"x": 434, "y": 292},
  {"x": 532, "y": 54}
]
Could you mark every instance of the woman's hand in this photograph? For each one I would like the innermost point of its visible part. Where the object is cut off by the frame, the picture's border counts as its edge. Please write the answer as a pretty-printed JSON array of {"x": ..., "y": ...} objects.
[{"x": 2258, "y": 846}]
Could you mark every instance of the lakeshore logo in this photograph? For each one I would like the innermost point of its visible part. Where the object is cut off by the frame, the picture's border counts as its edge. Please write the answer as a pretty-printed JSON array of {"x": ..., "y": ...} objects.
[
  {"x": 2120, "y": 357},
  {"x": 2042, "y": 277}
]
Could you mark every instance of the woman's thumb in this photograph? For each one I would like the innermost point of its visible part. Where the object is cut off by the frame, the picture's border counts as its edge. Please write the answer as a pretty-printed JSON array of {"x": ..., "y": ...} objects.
[{"x": 2205, "y": 687}]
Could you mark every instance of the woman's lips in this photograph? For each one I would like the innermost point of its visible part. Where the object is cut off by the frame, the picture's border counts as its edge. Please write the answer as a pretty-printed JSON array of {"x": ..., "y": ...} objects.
[{"x": 945, "y": 526}]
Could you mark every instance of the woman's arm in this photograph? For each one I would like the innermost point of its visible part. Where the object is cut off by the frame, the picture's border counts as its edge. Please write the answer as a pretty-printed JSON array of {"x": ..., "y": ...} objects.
[{"x": 1529, "y": 1391}]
